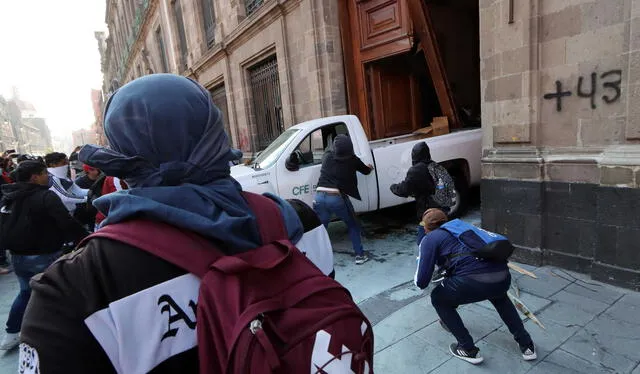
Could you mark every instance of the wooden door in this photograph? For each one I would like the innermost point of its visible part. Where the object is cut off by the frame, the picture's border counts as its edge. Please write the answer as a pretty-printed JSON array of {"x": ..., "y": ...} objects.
[{"x": 395, "y": 98}]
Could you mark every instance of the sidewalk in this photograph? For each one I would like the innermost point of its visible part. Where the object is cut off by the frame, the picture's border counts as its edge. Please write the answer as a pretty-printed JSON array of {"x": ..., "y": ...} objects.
[{"x": 590, "y": 327}]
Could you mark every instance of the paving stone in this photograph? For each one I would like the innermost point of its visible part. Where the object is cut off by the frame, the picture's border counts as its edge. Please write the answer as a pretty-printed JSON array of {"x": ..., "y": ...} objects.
[
  {"x": 581, "y": 302},
  {"x": 544, "y": 367},
  {"x": 403, "y": 323},
  {"x": 625, "y": 312},
  {"x": 495, "y": 361},
  {"x": 631, "y": 298},
  {"x": 479, "y": 321},
  {"x": 601, "y": 293},
  {"x": 410, "y": 355},
  {"x": 9, "y": 360},
  {"x": 565, "y": 314},
  {"x": 546, "y": 341},
  {"x": 616, "y": 336},
  {"x": 636, "y": 370},
  {"x": 545, "y": 286},
  {"x": 595, "y": 349},
  {"x": 572, "y": 362}
]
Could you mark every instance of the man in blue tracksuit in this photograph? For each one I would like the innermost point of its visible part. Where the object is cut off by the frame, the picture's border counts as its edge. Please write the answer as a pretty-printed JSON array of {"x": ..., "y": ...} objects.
[{"x": 469, "y": 280}]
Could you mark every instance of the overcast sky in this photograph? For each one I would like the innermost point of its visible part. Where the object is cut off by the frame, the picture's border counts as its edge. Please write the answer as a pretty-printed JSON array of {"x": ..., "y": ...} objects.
[{"x": 48, "y": 50}]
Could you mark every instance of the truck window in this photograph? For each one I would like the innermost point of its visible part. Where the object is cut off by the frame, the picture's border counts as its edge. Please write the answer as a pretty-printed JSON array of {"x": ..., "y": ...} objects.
[
  {"x": 313, "y": 146},
  {"x": 270, "y": 155}
]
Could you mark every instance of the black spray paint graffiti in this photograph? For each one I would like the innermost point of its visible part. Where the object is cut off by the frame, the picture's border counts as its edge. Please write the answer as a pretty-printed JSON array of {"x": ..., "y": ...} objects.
[{"x": 591, "y": 91}]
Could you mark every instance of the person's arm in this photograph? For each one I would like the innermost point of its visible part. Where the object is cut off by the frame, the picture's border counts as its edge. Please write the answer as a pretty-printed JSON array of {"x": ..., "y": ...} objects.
[
  {"x": 426, "y": 260},
  {"x": 66, "y": 197},
  {"x": 409, "y": 186},
  {"x": 362, "y": 168},
  {"x": 71, "y": 228},
  {"x": 77, "y": 191}
]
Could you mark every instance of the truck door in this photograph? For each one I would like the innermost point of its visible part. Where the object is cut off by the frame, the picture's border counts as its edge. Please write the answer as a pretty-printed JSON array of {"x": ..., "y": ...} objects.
[{"x": 307, "y": 157}]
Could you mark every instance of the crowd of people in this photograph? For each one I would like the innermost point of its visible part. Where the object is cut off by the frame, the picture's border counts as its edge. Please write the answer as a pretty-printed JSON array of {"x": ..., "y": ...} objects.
[{"x": 120, "y": 254}]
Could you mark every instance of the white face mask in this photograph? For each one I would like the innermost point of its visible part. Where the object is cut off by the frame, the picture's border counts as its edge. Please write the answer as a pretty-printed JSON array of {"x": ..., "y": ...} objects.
[{"x": 60, "y": 171}]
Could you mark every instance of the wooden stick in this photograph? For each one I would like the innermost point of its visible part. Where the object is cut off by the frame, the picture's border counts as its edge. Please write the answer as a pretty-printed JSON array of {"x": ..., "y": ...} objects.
[
  {"x": 524, "y": 310},
  {"x": 521, "y": 270}
]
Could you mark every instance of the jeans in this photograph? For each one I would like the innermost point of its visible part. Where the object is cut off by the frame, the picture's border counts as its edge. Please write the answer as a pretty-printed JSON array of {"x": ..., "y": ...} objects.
[
  {"x": 455, "y": 291},
  {"x": 328, "y": 204},
  {"x": 26, "y": 267}
]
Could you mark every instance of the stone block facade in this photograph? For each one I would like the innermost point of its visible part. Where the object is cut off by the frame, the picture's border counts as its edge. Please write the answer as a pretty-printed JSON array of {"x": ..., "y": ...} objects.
[
  {"x": 561, "y": 159},
  {"x": 303, "y": 35}
]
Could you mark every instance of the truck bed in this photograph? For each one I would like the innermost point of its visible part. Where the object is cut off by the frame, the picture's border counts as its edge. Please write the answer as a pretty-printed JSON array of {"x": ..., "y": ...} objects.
[{"x": 393, "y": 158}]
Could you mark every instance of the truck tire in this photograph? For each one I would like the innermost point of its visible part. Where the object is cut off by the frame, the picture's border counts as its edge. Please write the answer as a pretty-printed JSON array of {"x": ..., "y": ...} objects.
[{"x": 462, "y": 194}]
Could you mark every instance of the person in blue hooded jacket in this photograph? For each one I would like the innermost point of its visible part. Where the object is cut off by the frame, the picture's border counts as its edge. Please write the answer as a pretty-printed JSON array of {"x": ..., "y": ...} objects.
[
  {"x": 469, "y": 280},
  {"x": 167, "y": 141}
]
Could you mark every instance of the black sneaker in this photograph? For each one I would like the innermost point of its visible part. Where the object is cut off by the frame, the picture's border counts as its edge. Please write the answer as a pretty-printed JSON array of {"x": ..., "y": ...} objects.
[
  {"x": 528, "y": 352},
  {"x": 472, "y": 356}
]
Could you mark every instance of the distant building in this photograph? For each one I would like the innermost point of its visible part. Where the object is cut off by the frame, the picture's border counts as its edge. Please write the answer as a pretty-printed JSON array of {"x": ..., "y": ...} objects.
[
  {"x": 23, "y": 129},
  {"x": 84, "y": 136},
  {"x": 7, "y": 135}
]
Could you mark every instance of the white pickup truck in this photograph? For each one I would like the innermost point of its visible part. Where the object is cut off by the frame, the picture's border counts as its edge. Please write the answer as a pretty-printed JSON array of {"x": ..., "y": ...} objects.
[{"x": 290, "y": 166}]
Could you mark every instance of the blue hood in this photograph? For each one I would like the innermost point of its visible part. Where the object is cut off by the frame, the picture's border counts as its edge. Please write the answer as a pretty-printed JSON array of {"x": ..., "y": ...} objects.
[{"x": 168, "y": 143}]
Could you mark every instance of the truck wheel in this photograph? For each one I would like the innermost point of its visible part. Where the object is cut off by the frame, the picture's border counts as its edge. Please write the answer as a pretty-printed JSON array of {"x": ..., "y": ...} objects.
[{"x": 462, "y": 195}]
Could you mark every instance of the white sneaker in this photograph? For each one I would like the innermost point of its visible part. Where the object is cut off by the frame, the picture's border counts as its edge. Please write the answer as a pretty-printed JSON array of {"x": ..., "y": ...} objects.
[{"x": 10, "y": 341}]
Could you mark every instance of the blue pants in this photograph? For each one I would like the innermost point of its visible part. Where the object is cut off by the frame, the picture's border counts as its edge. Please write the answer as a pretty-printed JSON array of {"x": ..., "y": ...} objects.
[
  {"x": 26, "y": 267},
  {"x": 455, "y": 291},
  {"x": 326, "y": 205}
]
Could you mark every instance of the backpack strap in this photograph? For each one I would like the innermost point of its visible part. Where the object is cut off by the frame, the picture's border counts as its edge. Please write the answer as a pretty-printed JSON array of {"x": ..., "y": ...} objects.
[
  {"x": 164, "y": 241},
  {"x": 169, "y": 243}
]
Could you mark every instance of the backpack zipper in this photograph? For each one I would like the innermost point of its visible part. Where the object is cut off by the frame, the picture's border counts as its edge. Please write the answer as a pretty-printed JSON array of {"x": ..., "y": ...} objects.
[{"x": 254, "y": 326}]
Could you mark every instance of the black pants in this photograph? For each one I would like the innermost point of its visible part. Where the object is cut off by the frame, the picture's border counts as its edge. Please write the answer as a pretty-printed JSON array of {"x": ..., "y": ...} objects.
[{"x": 456, "y": 291}]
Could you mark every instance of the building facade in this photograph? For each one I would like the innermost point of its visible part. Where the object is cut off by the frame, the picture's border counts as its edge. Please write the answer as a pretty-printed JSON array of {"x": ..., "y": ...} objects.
[
  {"x": 21, "y": 128},
  {"x": 561, "y": 117},
  {"x": 268, "y": 63},
  {"x": 84, "y": 136},
  {"x": 555, "y": 85}
]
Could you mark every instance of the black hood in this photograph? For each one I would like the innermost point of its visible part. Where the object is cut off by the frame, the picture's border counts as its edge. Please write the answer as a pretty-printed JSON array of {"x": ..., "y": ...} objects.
[
  {"x": 342, "y": 147},
  {"x": 17, "y": 191},
  {"x": 420, "y": 153}
]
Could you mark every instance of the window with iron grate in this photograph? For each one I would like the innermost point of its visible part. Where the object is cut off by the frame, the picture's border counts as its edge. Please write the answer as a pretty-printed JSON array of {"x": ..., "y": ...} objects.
[
  {"x": 252, "y": 5},
  {"x": 182, "y": 35},
  {"x": 267, "y": 104},
  {"x": 209, "y": 20},
  {"x": 161, "y": 50}
]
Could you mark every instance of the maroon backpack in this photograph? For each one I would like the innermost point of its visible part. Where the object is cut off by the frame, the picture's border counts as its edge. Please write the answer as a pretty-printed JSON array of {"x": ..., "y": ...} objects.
[{"x": 268, "y": 310}]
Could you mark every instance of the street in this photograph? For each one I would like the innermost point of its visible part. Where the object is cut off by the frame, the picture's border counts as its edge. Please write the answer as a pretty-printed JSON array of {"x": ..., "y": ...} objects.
[{"x": 590, "y": 327}]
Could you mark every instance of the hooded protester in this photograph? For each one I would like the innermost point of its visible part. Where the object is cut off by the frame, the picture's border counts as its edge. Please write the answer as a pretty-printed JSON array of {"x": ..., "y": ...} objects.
[
  {"x": 106, "y": 306},
  {"x": 338, "y": 181},
  {"x": 59, "y": 182},
  {"x": 418, "y": 182},
  {"x": 34, "y": 224},
  {"x": 469, "y": 279}
]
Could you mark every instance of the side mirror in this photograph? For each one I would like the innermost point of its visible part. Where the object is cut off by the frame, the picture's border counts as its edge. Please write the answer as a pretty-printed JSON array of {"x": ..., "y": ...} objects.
[{"x": 293, "y": 162}]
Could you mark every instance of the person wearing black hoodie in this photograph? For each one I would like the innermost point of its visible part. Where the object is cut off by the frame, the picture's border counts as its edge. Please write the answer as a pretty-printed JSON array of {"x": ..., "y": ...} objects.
[
  {"x": 34, "y": 224},
  {"x": 418, "y": 183},
  {"x": 338, "y": 181}
]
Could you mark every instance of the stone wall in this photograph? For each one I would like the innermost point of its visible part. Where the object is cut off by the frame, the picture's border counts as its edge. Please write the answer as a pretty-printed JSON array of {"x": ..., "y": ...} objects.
[
  {"x": 560, "y": 91},
  {"x": 303, "y": 35}
]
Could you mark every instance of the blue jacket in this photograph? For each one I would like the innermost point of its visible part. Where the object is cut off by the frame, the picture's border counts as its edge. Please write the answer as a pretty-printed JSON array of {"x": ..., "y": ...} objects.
[{"x": 435, "y": 248}]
